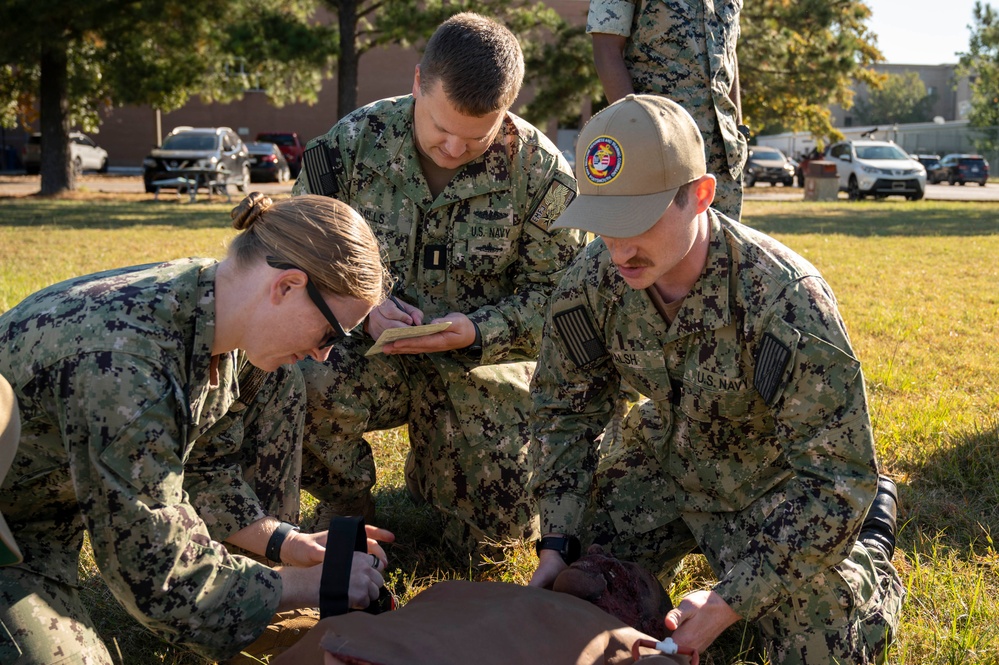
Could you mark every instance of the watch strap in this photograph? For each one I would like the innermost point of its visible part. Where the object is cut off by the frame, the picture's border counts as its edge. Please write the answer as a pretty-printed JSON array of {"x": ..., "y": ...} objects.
[
  {"x": 273, "y": 551},
  {"x": 568, "y": 547}
]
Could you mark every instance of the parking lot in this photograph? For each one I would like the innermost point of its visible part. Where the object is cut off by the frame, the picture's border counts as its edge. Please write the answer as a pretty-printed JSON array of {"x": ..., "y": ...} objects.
[
  {"x": 128, "y": 183},
  {"x": 123, "y": 183}
]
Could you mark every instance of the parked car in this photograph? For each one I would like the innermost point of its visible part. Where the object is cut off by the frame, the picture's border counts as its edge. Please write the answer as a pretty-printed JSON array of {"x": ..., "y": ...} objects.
[
  {"x": 768, "y": 165},
  {"x": 867, "y": 167},
  {"x": 929, "y": 163},
  {"x": 197, "y": 152},
  {"x": 267, "y": 163},
  {"x": 960, "y": 168},
  {"x": 803, "y": 161},
  {"x": 84, "y": 154},
  {"x": 290, "y": 146}
]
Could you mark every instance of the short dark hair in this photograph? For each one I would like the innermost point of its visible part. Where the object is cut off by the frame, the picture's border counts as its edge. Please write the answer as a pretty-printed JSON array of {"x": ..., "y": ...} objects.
[
  {"x": 478, "y": 62},
  {"x": 682, "y": 196}
]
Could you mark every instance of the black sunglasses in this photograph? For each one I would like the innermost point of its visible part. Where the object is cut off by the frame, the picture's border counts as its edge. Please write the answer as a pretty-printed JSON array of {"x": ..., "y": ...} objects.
[{"x": 317, "y": 299}]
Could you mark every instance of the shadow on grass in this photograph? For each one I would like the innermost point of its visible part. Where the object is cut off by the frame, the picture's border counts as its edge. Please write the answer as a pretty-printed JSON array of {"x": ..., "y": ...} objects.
[
  {"x": 953, "y": 493},
  {"x": 114, "y": 213},
  {"x": 878, "y": 219}
]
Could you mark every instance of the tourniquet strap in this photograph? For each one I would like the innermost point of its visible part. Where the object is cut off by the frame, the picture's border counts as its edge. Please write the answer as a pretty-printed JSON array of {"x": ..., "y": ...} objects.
[{"x": 346, "y": 536}]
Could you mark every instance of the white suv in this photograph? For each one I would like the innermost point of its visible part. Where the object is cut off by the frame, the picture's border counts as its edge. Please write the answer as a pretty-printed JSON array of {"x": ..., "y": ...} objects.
[
  {"x": 84, "y": 154},
  {"x": 877, "y": 168}
]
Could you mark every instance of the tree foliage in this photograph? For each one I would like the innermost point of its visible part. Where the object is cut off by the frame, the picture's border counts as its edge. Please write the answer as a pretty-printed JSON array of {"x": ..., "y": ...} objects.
[
  {"x": 368, "y": 24},
  {"x": 70, "y": 60},
  {"x": 797, "y": 57},
  {"x": 901, "y": 98},
  {"x": 981, "y": 65}
]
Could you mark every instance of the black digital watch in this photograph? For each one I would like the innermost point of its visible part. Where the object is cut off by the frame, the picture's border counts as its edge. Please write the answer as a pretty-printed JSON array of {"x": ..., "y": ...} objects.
[{"x": 567, "y": 546}]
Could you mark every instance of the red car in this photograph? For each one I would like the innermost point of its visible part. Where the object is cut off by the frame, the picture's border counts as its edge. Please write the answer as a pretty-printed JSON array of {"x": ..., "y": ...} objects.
[{"x": 289, "y": 145}]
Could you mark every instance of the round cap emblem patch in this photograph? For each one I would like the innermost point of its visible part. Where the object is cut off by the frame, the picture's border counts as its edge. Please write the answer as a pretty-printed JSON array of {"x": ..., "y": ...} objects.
[{"x": 604, "y": 159}]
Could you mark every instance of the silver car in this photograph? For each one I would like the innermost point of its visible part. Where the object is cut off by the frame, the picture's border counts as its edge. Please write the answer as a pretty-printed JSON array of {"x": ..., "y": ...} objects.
[{"x": 84, "y": 154}]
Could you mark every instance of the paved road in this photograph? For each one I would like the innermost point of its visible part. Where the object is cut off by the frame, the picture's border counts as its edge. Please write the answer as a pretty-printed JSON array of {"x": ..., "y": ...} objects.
[
  {"x": 933, "y": 192},
  {"x": 112, "y": 183},
  {"x": 21, "y": 185}
]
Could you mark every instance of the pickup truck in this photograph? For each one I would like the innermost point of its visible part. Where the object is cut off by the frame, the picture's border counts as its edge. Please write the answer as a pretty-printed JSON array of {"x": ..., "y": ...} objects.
[{"x": 289, "y": 145}]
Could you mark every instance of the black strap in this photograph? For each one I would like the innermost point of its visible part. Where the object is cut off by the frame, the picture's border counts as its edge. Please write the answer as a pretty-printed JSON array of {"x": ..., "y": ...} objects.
[{"x": 346, "y": 536}]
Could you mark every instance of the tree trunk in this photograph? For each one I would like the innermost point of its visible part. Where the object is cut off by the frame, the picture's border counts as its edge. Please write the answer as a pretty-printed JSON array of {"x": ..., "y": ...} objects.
[
  {"x": 346, "y": 85},
  {"x": 56, "y": 170}
]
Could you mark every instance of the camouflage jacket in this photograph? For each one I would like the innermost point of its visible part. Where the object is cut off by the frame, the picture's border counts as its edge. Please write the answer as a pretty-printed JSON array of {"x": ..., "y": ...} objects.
[
  {"x": 756, "y": 386},
  {"x": 113, "y": 375},
  {"x": 685, "y": 51},
  {"x": 483, "y": 247}
]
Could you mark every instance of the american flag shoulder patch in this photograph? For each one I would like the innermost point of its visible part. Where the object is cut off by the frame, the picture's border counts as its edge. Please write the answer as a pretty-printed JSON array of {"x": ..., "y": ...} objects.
[
  {"x": 771, "y": 361},
  {"x": 579, "y": 335},
  {"x": 317, "y": 165}
]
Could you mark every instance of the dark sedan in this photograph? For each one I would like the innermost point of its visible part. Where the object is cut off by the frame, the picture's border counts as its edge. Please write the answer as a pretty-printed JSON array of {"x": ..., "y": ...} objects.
[
  {"x": 768, "y": 165},
  {"x": 267, "y": 163}
]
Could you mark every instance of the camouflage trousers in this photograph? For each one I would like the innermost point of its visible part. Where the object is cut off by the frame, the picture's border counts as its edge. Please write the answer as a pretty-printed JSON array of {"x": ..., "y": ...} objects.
[
  {"x": 472, "y": 470},
  {"x": 44, "y": 620},
  {"x": 728, "y": 190},
  {"x": 848, "y": 614}
]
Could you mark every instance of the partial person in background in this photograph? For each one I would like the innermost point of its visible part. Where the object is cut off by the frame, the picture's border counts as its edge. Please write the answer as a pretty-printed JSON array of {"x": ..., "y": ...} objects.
[
  {"x": 684, "y": 51},
  {"x": 148, "y": 427},
  {"x": 461, "y": 194}
]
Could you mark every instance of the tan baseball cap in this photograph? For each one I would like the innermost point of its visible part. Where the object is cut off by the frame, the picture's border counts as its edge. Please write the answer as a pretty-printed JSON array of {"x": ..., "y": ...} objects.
[
  {"x": 630, "y": 160},
  {"x": 10, "y": 434}
]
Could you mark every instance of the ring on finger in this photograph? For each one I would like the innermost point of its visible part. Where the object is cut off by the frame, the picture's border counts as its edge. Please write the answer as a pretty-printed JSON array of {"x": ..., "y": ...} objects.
[{"x": 375, "y": 561}]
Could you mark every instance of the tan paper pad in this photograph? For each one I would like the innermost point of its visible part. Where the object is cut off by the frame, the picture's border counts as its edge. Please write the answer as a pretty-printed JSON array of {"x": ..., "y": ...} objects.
[{"x": 395, "y": 334}]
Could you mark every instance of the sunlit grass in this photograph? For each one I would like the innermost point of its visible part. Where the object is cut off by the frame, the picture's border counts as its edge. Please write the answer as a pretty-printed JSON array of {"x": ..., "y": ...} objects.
[{"x": 918, "y": 286}]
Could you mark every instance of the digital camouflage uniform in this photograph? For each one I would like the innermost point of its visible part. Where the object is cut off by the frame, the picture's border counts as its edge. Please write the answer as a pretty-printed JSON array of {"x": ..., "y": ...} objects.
[
  {"x": 686, "y": 51},
  {"x": 483, "y": 248},
  {"x": 755, "y": 443},
  {"x": 124, "y": 437}
]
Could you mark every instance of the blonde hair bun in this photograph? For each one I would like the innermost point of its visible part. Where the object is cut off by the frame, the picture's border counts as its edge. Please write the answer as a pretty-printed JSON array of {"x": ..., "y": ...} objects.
[{"x": 249, "y": 209}]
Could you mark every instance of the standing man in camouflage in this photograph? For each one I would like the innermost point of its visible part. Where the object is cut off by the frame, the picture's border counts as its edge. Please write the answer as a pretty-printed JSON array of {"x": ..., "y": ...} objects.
[
  {"x": 684, "y": 51},
  {"x": 461, "y": 194},
  {"x": 755, "y": 444}
]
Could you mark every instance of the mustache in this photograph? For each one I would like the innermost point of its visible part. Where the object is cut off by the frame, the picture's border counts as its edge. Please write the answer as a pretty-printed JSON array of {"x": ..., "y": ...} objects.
[{"x": 635, "y": 263}]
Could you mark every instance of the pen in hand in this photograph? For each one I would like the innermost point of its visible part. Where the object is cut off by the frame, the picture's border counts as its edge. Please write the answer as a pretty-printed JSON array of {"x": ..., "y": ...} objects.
[{"x": 401, "y": 308}]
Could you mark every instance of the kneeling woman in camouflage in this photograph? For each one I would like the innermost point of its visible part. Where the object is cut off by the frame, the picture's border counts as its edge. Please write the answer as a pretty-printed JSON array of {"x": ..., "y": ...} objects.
[{"x": 147, "y": 425}]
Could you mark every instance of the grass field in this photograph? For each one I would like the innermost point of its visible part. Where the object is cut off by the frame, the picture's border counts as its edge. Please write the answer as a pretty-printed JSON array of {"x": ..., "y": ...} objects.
[{"x": 918, "y": 286}]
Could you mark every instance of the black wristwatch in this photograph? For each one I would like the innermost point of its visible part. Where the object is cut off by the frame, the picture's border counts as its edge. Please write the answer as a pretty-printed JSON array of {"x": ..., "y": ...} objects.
[
  {"x": 273, "y": 551},
  {"x": 476, "y": 346},
  {"x": 567, "y": 546}
]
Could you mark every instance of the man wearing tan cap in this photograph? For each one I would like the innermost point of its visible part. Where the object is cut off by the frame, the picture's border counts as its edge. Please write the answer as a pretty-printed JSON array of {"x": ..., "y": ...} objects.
[
  {"x": 10, "y": 432},
  {"x": 755, "y": 442}
]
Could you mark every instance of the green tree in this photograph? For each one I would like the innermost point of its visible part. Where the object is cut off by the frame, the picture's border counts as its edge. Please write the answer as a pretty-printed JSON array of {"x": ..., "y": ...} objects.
[
  {"x": 797, "y": 57},
  {"x": 70, "y": 59},
  {"x": 981, "y": 65},
  {"x": 367, "y": 24},
  {"x": 901, "y": 98}
]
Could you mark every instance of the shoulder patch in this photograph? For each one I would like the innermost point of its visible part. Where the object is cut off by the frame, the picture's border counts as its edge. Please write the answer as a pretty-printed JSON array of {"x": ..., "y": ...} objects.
[
  {"x": 579, "y": 335},
  {"x": 316, "y": 161},
  {"x": 771, "y": 360},
  {"x": 557, "y": 198}
]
